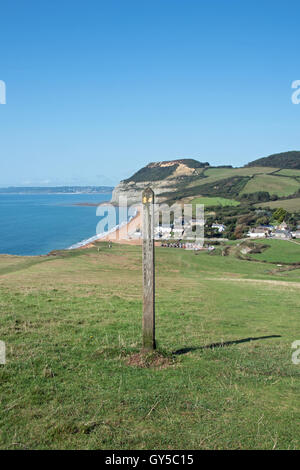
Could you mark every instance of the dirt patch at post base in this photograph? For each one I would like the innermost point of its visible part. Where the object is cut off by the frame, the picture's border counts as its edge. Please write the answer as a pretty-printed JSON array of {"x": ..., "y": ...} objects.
[{"x": 150, "y": 360}]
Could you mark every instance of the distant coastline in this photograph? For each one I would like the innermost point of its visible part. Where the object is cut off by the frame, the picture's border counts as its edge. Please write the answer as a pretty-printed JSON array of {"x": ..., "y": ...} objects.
[
  {"x": 91, "y": 204},
  {"x": 48, "y": 190}
]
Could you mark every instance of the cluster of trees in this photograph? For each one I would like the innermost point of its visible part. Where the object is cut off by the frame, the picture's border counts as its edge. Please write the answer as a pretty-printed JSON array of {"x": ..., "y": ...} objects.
[
  {"x": 259, "y": 196},
  {"x": 227, "y": 187},
  {"x": 279, "y": 160}
]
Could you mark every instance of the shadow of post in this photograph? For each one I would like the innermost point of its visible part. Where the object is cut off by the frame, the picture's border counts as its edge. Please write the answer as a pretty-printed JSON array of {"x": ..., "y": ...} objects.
[{"x": 221, "y": 345}]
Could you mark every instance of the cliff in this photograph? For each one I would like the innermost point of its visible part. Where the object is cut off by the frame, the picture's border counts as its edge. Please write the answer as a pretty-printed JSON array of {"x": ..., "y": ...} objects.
[{"x": 164, "y": 177}]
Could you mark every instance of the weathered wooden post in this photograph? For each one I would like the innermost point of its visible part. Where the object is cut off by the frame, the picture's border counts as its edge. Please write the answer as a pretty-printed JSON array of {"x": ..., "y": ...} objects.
[{"x": 148, "y": 271}]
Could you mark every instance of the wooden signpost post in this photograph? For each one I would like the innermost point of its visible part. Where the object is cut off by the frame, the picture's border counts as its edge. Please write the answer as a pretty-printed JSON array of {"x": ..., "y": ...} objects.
[{"x": 148, "y": 271}]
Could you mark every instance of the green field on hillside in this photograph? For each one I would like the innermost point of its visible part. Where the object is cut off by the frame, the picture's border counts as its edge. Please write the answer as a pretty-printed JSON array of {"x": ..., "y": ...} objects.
[
  {"x": 228, "y": 172},
  {"x": 72, "y": 327},
  {"x": 214, "y": 201},
  {"x": 287, "y": 172},
  {"x": 290, "y": 205},
  {"x": 279, "y": 251},
  {"x": 280, "y": 185},
  {"x": 231, "y": 183},
  {"x": 259, "y": 180}
]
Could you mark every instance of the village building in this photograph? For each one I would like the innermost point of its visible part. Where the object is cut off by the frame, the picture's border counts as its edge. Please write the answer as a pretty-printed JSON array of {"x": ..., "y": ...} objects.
[
  {"x": 296, "y": 234},
  {"x": 282, "y": 226},
  {"x": 220, "y": 227},
  {"x": 259, "y": 232},
  {"x": 282, "y": 234}
]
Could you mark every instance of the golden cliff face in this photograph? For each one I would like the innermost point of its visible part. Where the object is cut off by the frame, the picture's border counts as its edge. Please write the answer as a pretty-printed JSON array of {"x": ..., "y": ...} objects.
[{"x": 150, "y": 176}]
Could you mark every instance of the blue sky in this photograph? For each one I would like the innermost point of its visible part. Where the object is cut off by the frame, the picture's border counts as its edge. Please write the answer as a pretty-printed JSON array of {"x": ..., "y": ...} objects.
[{"x": 97, "y": 89}]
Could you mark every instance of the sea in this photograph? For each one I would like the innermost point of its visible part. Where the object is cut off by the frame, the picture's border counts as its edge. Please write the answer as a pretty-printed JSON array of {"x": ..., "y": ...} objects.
[{"x": 35, "y": 224}]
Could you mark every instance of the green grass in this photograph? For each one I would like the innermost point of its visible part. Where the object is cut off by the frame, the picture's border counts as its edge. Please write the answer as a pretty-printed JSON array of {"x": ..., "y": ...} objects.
[
  {"x": 213, "y": 175},
  {"x": 233, "y": 182},
  {"x": 279, "y": 251},
  {"x": 287, "y": 172},
  {"x": 71, "y": 323},
  {"x": 280, "y": 185},
  {"x": 290, "y": 205},
  {"x": 228, "y": 172},
  {"x": 214, "y": 201}
]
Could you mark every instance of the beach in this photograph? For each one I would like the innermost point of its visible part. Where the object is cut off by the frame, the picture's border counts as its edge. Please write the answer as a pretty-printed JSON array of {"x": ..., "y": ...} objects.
[{"x": 123, "y": 233}]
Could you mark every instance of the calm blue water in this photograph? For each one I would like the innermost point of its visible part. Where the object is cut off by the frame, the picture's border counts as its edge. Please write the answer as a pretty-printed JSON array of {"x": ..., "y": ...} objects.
[{"x": 37, "y": 224}]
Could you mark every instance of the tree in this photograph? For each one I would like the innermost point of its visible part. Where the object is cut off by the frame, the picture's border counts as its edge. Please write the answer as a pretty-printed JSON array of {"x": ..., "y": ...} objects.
[
  {"x": 264, "y": 220},
  {"x": 240, "y": 230},
  {"x": 280, "y": 214}
]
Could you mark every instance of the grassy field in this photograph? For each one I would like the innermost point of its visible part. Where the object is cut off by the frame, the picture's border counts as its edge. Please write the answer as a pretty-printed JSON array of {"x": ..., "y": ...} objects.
[
  {"x": 214, "y": 201},
  {"x": 279, "y": 182},
  {"x": 72, "y": 327},
  {"x": 248, "y": 171},
  {"x": 279, "y": 251},
  {"x": 288, "y": 204},
  {"x": 280, "y": 185},
  {"x": 288, "y": 172}
]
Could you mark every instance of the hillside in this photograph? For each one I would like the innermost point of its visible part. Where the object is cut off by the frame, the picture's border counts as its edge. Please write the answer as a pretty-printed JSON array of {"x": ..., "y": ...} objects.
[
  {"x": 186, "y": 178},
  {"x": 165, "y": 176},
  {"x": 222, "y": 376},
  {"x": 156, "y": 171},
  {"x": 280, "y": 160}
]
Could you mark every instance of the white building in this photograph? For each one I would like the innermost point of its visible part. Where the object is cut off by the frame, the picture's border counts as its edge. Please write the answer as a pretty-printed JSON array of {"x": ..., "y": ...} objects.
[
  {"x": 282, "y": 234},
  {"x": 282, "y": 226},
  {"x": 220, "y": 227},
  {"x": 296, "y": 234},
  {"x": 259, "y": 232}
]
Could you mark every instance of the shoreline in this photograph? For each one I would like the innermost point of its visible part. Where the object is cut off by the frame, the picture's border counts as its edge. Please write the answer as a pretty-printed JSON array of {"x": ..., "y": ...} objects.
[{"x": 121, "y": 233}]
